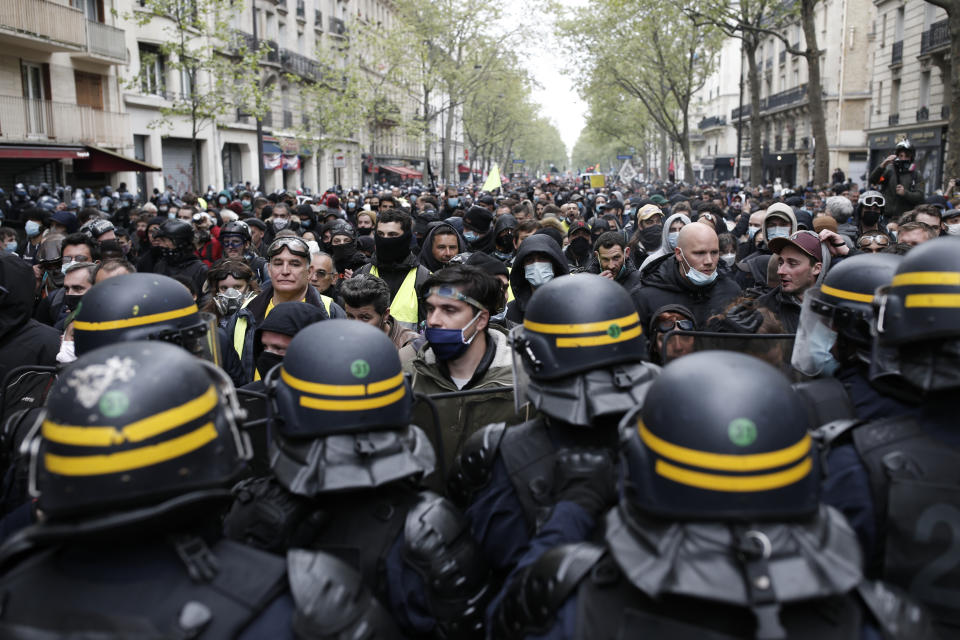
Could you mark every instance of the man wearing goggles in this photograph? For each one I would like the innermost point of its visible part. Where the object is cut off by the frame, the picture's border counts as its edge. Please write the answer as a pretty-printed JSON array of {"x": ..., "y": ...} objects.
[
  {"x": 289, "y": 268},
  {"x": 873, "y": 242}
]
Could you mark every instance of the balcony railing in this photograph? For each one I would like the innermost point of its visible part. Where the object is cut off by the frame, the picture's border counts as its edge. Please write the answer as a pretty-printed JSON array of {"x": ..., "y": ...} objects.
[
  {"x": 712, "y": 121},
  {"x": 893, "y": 119},
  {"x": 45, "y": 19},
  {"x": 105, "y": 41},
  {"x": 786, "y": 98},
  {"x": 923, "y": 114},
  {"x": 25, "y": 119},
  {"x": 896, "y": 53},
  {"x": 936, "y": 37},
  {"x": 743, "y": 111},
  {"x": 299, "y": 65}
]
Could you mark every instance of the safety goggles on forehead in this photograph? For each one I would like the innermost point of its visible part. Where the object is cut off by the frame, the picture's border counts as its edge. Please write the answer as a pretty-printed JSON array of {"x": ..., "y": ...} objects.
[
  {"x": 452, "y": 293},
  {"x": 296, "y": 246},
  {"x": 880, "y": 239},
  {"x": 874, "y": 201}
]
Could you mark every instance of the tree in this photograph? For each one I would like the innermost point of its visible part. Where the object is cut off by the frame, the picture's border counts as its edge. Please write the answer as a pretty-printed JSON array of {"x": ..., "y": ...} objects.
[
  {"x": 952, "y": 162},
  {"x": 212, "y": 64},
  {"x": 651, "y": 51}
]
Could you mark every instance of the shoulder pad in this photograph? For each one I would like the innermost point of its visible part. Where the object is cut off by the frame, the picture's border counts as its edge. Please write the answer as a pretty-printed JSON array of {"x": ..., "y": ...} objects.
[
  {"x": 826, "y": 398},
  {"x": 267, "y": 516},
  {"x": 473, "y": 467},
  {"x": 826, "y": 434},
  {"x": 332, "y": 602},
  {"x": 897, "y": 615},
  {"x": 439, "y": 546},
  {"x": 533, "y": 598}
]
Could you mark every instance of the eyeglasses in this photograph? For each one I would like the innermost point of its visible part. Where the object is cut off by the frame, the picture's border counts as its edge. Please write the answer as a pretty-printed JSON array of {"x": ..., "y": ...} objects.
[
  {"x": 320, "y": 273},
  {"x": 669, "y": 325},
  {"x": 881, "y": 240},
  {"x": 232, "y": 243},
  {"x": 296, "y": 246},
  {"x": 874, "y": 201},
  {"x": 452, "y": 293}
]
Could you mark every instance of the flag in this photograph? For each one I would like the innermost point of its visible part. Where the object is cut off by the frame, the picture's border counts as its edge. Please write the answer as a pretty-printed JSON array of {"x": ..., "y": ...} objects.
[
  {"x": 493, "y": 180},
  {"x": 627, "y": 172}
]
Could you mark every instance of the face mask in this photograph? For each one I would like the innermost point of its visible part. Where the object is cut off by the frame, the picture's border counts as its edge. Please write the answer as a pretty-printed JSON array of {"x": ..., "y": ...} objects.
[
  {"x": 171, "y": 215},
  {"x": 267, "y": 361},
  {"x": 870, "y": 218},
  {"x": 505, "y": 243},
  {"x": 652, "y": 237},
  {"x": 280, "y": 224},
  {"x": 70, "y": 302},
  {"x": 66, "y": 353},
  {"x": 351, "y": 206},
  {"x": 953, "y": 229},
  {"x": 752, "y": 231},
  {"x": 580, "y": 246},
  {"x": 672, "y": 239},
  {"x": 64, "y": 267},
  {"x": 364, "y": 231},
  {"x": 392, "y": 250},
  {"x": 449, "y": 344},
  {"x": 222, "y": 201},
  {"x": 32, "y": 227},
  {"x": 471, "y": 236},
  {"x": 822, "y": 339},
  {"x": 698, "y": 278},
  {"x": 728, "y": 259},
  {"x": 453, "y": 203},
  {"x": 538, "y": 273},
  {"x": 228, "y": 302},
  {"x": 342, "y": 253},
  {"x": 11, "y": 246},
  {"x": 246, "y": 205},
  {"x": 777, "y": 232}
]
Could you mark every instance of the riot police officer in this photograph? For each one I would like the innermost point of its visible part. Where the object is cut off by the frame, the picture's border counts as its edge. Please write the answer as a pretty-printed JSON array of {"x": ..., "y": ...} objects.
[
  {"x": 179, "y": 254},
  {"x": 346, "y": 462},
  {"x": 718, "y": 532},
  {"x": 578, "y": 360},
  {"x": 898, "y": 478},
  {"x": 129, "y": 487}
]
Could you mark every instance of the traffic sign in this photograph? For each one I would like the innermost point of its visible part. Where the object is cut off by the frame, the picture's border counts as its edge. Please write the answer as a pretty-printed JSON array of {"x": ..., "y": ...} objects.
[
  {"x": 518, "y": 161},
  {"x": 625, "y": 157}
]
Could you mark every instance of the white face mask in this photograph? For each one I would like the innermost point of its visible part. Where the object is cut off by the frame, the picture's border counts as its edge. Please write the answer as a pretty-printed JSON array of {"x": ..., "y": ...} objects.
[
  {"x": 728, "y": 259},
  {"x": 953, "y": 229},
  {"x": 538, "y": 273}
]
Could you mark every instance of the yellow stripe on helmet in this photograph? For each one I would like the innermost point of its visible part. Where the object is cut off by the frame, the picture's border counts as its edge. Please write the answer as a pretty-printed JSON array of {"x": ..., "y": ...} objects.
[
  {"x": 846, "y": 295},
  {"x": 340, "y": 390},
  {"x": 939, "y": 278},
  {"x": 125, "y": 323},
  {"x": 599, "y": 340},
  {"x": 933, "y": 300},
  {"x": 583, "y": 327},
  {"x": 358, "y": 404},
  {"x": 716, "y": 482}
]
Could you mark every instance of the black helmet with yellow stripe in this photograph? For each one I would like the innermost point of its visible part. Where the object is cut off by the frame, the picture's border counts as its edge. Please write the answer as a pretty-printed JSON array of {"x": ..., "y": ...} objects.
[
  {"x": 340, "y": 411},
  {"x": 133, "y": 425},
  {"x": 702, "y": 448},
  {"x": 578, "y": 323},
  {"x": 143, "y": 306}
]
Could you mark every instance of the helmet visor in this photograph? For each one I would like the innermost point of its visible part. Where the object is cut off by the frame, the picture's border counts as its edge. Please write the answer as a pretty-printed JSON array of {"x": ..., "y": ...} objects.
[
  {"x": 523, "y": 359},
  {"x": 815, "y": 337},
  {"x": 199, "y": 339}
]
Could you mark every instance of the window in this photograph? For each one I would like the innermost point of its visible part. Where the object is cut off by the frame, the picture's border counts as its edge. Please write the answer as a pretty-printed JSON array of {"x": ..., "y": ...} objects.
[
  {"x": 898, "y": 27},
  {"x": 152, "y": 80},
  {"x": 883, "y": 31},
  {"x": 880, "y": 97},
  {"x": 925, "y": 89},
  {"x": 186, "y": 82},
  {"x": 895, "y": 97}
]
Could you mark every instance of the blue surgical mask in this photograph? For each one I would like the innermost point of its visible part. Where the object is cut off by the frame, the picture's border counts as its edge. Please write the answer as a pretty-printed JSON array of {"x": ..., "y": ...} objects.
[
  {"x": 351, "y": 206},
  {"x": 672, "y": 239},
  {"x": 32, "y": 227},
  {"x": 453, "y": 203},
  {"x": 11, "y": 246},
  {"x": 777, "y": 232},
  {"x": 471, "y": 236},
  {"x": 538, "y": 273},
  {"x": 698, "y": 278},
  {"x": 821, "y": 341},
  {"x": 752, "y": 231},
  {"x": 172, "y": 214},
  {"x": 449, "y": 344}
]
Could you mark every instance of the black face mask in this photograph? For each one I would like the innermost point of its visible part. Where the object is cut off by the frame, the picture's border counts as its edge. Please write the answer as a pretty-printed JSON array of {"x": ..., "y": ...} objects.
[
  {"x": 870, "y": 218},
  {"x": 364, "y": 231},
  {"x": 580, "y": 246},
  {"x": 505, "y": 242},
  {"x": 392, "y": 250},
  {"x": 343, "y": 253},
  {"x": 652, "y": 237},
  {"x": 71, "y": 301},
  {"x": 267, "y": 361}
]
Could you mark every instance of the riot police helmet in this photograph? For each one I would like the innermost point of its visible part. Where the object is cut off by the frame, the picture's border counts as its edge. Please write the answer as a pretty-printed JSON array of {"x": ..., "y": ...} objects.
[
  {"x": 236, "y": 228},
  {"x": 701, "y": 448},
  {"x": 133, "y": 425},
  {"x": 178, "y": 231}
]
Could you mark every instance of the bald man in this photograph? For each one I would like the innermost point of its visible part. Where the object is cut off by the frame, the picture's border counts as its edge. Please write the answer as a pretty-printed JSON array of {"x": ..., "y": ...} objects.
[{"x": 687, "y": 277}]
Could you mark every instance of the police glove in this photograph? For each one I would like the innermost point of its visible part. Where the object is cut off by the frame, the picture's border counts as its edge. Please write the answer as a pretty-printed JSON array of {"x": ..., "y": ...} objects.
[{"x": 586, "y": 478}]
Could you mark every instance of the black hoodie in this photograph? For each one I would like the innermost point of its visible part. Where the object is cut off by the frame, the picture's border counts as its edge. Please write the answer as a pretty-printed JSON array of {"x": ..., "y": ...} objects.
[
  {"x": 504, "y": 222},
  {"x": 426, "y": 251},
  {"x": 23, "y": 340},
  {"x": 537, "y": 243}
]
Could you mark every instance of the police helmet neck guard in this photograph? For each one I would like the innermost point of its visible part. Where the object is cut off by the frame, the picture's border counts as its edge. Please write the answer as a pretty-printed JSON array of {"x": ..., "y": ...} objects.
[
  {"x": 121, "y": 433},
  {"x": 705, "y": 448}
]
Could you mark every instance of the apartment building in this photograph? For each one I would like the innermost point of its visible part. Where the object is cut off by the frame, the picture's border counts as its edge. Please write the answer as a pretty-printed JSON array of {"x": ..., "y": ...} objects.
[
  {"x": 713, "y": 142},
  {"x": 911, "y": 61}
]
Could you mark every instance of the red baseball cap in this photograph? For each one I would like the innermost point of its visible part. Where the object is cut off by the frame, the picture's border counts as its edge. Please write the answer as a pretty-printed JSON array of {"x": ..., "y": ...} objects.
[{"x": 806, "y": 241}]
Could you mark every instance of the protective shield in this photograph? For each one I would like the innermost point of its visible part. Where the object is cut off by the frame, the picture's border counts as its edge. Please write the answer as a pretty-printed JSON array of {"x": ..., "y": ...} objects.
[
  {"x": 884, "y": 359},
  {"x": 199, "y": 339},
  {"x": 523, "y": 358},
  {"x": 773, "y": 348},
  {"x": 815, "y": 338}
]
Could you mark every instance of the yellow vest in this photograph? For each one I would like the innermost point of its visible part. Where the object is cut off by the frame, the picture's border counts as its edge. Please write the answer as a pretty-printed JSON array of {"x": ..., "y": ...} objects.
[
  {"x": 509, "y": 286},
  {"x": 404, "y": 307}
]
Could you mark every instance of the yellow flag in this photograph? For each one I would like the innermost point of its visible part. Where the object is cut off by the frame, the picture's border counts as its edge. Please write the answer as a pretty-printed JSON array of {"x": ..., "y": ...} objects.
[{"x": 493, "y": 180}]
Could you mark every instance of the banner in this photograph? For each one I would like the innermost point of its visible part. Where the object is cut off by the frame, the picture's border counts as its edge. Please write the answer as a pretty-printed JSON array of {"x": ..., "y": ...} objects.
[
  {"x": 493, "y": 180},
  {"x": 272, "y": 161},
  {"x": 291, "y": 163},
  {"x": 627, "y": 172}
]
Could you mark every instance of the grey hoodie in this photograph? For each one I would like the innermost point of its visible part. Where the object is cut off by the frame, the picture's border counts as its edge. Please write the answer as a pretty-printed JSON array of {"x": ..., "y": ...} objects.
[{"x": 664, "y": 244}]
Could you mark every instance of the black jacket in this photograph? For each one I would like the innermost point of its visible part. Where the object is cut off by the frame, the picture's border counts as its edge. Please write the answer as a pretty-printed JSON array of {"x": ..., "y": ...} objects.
[
  {"x": 663, "y": 284},
  {"x": 426, "y": 251},
  {"x": 190, "y": 266},
  {"x": 784, "y": 306},
  {"x": 23, "y": 340},
  {"x": 537, "y": 243}
]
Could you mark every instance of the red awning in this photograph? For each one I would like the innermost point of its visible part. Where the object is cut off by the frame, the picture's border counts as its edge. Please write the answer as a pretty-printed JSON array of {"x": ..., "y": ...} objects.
[
  {"x": 403, "y": 172},
  {"x": 462, "y": 168},
  {"x": 106, "y": 161},
  {"x": 42, "y": 152}
]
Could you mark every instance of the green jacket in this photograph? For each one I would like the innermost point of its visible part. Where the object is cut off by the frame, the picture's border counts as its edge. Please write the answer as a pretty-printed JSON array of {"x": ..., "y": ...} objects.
[{"x": 461, "y": 416}]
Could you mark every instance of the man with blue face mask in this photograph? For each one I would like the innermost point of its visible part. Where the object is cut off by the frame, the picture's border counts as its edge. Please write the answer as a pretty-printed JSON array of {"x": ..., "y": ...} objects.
[
  {"x": 462, "y": 352},
  {"x": 688, "y": 276}
]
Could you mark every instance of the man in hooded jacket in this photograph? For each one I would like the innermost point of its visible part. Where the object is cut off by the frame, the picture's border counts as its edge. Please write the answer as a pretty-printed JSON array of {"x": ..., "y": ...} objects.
[
  {"x": 478, "y": 229},
  {"x": 504, "y": 230},
  {"x": 541, "y": 249},
  {"x": 23, "y": 340},
  {"x": 433, "y": 259}
]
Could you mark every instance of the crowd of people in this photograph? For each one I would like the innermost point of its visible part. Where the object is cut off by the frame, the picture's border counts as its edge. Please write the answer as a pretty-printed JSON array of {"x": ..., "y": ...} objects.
[{"x": 553, "y": 411}]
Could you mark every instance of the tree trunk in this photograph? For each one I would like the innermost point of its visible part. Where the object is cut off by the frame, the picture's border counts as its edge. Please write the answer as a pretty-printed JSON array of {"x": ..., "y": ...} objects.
[
  {"x": 426, "y": 134},
  {"x": 756, "y": 145},
  {"x": 951, "y": 166},
  {"x": 821, "y": 166},
  {"x": 447, "y": 143},
  {"x": 664, "y": 160}
]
